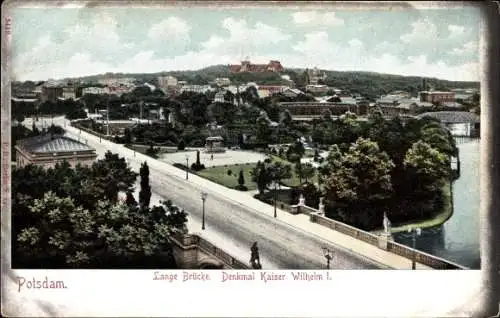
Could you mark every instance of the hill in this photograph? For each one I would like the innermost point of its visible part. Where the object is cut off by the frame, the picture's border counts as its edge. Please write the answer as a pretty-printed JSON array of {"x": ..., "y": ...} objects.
[{"x": 369, "y": 84}]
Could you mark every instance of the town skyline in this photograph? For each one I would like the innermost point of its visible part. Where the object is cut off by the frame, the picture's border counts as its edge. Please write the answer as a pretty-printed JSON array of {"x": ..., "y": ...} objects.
[{"x": 70, "y": 43}]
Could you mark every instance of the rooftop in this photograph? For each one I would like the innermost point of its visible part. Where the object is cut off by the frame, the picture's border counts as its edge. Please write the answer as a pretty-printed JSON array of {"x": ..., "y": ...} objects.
[{"x": 49, "y": 143}]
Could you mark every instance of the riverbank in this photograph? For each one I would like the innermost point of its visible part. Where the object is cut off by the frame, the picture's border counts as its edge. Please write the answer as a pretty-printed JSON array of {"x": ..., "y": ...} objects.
[{"x": 439, "y": 219}]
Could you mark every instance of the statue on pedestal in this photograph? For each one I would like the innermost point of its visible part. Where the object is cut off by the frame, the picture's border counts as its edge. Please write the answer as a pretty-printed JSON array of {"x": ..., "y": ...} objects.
[
  {"x": 321, "y": 206},
  {"x": 302, "y": 200},
  {"x": 254, "y": 257},
  {"x": 387, "y": 225}
]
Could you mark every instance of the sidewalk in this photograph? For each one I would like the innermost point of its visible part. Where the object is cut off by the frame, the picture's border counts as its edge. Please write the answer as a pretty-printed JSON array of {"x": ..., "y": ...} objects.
[{"x": 300, "y": 222}]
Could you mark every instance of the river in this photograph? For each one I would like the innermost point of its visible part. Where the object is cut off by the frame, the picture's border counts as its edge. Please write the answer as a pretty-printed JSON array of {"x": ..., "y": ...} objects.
[{"x": 457, "y": 239}]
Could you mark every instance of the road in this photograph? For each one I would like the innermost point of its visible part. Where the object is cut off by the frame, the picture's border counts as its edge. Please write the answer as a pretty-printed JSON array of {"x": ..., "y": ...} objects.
[{"x": 230, "y": 224}]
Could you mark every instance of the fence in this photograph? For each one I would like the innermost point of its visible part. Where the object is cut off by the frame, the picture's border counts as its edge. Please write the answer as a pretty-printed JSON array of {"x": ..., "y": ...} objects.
[
  {"x": 194, "y": 241},
  {"x": 393, "y": 247},
  {"x": 220, "y": 254}
]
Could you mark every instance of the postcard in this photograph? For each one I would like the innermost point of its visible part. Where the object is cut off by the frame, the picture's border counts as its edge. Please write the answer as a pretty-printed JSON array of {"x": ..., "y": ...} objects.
[{"x": 314, "y": 159}]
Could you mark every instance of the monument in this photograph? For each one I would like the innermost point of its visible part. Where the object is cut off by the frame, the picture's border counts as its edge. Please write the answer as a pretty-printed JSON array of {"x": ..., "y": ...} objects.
[
  {"x": 386, "y": 235},
  {"x": 302, "y": 200},
  {"x": 215, "y": 144},
  {"x": 321, "y": 207}
]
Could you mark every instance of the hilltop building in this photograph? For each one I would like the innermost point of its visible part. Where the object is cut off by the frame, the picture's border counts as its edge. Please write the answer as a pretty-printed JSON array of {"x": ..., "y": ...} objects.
[
  {"x": 315, "y": 76},
  {"x": 111, "y": 80},
  {"x": 247, "y": 66}
]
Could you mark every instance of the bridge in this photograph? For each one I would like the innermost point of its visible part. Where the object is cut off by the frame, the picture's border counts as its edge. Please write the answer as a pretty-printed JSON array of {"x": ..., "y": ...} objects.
[
  {"x": 450, "y": 117},
  {"x": 191, "y": 251}
]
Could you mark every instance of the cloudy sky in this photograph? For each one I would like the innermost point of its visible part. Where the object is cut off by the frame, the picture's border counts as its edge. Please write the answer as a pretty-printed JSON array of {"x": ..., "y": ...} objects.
[{"x": 56, "y": 42}]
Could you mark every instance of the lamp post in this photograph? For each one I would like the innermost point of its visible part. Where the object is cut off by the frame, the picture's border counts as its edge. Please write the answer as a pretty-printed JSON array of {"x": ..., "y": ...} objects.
[
  {"x": 415, "y": 232},
  {"x": 328, "y": 254},
  {"x": 275, "y": 200},
  {"x": 203, "y": 198},
  {"x": 187, "y": 166}
]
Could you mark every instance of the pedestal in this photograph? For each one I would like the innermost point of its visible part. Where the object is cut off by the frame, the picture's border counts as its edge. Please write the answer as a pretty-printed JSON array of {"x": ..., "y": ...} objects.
[{"x": 383, "y": 239}]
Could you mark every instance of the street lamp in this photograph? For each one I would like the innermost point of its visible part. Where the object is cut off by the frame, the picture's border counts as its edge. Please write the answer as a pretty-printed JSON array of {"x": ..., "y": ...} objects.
[
  {"x": 275, "y": 199},
  {"x": 328, "y": 254},
  {"x": 203, "y": 198},
  {"x": 187, "y": 166},
  {"x": 415, "y": 232}
]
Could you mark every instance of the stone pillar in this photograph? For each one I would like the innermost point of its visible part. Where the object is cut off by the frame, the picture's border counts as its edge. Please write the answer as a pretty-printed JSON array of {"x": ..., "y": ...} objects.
[
  {"x": 383, "y": 239},
  {"x": 302, "y": 200}
]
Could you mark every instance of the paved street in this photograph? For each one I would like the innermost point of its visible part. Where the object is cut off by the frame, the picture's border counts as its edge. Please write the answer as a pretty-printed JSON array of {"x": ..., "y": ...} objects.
[
  {"x": 230, "y": 224},
  {"x": 234, "y": 220}
]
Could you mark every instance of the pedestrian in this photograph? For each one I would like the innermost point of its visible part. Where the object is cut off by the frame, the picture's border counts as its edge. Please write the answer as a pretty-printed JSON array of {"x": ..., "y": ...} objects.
[{"x": 212, "y": 157}]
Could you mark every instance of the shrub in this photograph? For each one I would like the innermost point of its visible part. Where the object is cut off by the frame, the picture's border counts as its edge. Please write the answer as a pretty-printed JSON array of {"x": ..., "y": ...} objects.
[
  {"x": 197, "y": 167},
  {"x": 181, "y": 145},
  {"x": 241, "y": 188}
]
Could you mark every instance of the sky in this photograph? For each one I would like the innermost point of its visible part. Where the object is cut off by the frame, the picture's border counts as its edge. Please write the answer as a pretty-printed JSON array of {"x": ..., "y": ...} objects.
[{"x": 53, "y": 43}]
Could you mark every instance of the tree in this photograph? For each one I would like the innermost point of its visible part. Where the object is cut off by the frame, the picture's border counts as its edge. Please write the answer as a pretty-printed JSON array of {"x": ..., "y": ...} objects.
[
  {"x": 63, "y": 235},
  {"x": 56, "y": 130},
  {"x": 20, "y": 118},
  {"x": 181, "y": 145},
  {"x": 359, "y": 183},
  {"x": 106, "y": 178},
  {"x": 241, "y": 182},
  {"x": 427, "y": 167},
  {"x": 145, "y": 192},
  {"x": 286, "y": 118},
  {"x": 279, "y": 172},
  {"x": 128, "y": 136},
  {"x": 130, "y": 201},
  {"x": 298, "y": 171},
  {"x": 261, "y": 176},
  {"x": 307, "y": 171},
  {"x": 296, "y": 151},
  {"x": 316, "y": 155},
  {"x": 427, "y": 170}
]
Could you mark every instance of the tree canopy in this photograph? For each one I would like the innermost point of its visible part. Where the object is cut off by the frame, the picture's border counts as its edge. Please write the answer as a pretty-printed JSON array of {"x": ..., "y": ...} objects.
[{"x": 67, "y": 217}]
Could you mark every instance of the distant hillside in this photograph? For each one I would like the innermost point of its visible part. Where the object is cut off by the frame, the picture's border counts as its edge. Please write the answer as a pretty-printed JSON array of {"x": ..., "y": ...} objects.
[{"x": 369, "y": 84}]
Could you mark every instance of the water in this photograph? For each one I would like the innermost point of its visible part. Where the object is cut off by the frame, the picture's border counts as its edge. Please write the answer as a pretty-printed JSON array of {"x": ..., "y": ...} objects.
[{"x": 457, "y": 239}]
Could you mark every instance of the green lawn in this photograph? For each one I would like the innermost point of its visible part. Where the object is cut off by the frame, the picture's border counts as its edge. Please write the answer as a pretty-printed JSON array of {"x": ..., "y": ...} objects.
[{"x": 220, "y": 176}]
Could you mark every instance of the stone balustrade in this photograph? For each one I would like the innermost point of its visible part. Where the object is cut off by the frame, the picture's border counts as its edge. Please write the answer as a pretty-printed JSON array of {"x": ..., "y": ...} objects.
[
  {"x": 189, "y": 247},
  {"x": 380, "y": 241}
]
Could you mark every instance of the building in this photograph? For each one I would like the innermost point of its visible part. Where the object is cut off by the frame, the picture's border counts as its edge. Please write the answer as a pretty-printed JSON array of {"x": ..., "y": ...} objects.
[
  {"x": 215, "y": 144},
  {"x": 167, "y": 81},
  {"x": 312, "y": 110},
  {"x": 224, "y": 81},
  {"x": 315, "y": 76},
  {"x": 47, "y": 150},
  {"x": 119, "y": 89},
  {"x": 317, "y": 89},
  {"x": 111, "y": 80},
  {"x": 196, "y": 88},
  {"x": 95, "y": 90},
  {"x": 220, "y": 97},
  {"x": 247, "y": 66},
  {"x": 68, "y": 92},
  {"x": 436, "y": 96},
  {"x": 49, "y": 91},
  {"x": 292, "y": 92}
]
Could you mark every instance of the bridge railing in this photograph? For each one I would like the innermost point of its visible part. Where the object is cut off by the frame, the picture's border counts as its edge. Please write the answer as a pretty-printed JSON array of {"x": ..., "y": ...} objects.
[
  {"x": 390, "y": 246},
  {"x": 190, "y": 241},
  {"x": 220, "y": 254}
]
